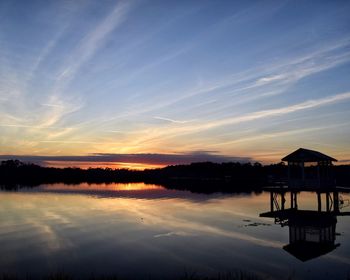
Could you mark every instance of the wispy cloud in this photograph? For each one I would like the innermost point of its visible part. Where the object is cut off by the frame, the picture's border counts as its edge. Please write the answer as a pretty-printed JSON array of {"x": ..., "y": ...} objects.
[
  {"x": 272, "y": 78},
  {"x": 264, "y": 136},
  {"x": 51, "y": 105},
  {"x": 33, "y": 126},
  {"x": 170, "y": 120},
  {"x": 196, "y": 127},
  {"x": 74, "y": 142},
  {"x": 258, "y": 82},
  {"x": 115, "y": 131},
  {"x": 282, "y": 111},
  {"x": 47, "y": 50},
  {"x": 59, "y": 107},
  {"x": 94, "y": 40},
  {"x": 86, "y": 49}
]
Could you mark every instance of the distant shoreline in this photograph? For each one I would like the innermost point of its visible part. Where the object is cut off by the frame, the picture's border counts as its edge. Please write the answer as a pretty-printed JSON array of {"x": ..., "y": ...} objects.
[{"x": 201, "y": 176}]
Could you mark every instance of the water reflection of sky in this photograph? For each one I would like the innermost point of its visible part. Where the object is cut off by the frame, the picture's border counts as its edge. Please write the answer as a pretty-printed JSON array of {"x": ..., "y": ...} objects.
[{"x": 67, "y": 228}]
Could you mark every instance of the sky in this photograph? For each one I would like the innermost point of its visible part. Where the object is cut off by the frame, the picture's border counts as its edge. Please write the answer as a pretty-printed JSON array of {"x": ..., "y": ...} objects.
[{"x": 148, "y": 83}]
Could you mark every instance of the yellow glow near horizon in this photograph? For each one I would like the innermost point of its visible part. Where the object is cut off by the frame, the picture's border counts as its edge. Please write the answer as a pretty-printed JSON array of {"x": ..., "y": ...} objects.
[{"x": 113, "y": 165}]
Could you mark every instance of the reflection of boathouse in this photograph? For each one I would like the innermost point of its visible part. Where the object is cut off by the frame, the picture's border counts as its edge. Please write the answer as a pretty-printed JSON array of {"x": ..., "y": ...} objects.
[
  {"x": 308, "y": 168},
  {"x": 312, "y": 233}
]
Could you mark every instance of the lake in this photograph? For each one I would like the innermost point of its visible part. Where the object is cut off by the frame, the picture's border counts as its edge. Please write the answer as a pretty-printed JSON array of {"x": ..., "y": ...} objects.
[{"x": 147, "y": 231}]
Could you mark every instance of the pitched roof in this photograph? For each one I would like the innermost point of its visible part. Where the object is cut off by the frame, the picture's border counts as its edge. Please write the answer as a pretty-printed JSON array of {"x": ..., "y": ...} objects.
[{"x": 305, "y": 155}]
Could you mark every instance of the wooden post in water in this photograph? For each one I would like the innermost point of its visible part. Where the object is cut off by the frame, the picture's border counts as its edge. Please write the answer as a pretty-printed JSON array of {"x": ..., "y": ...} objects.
[
  {"x": 271, "y": 201},
  {"x": 327, "y": 202},
  {"x": 336, "y": 201},
  {"x": 293, "y": 200},
  {"x": 319, "y": 204},
  {"x": 283, "y": 200}
]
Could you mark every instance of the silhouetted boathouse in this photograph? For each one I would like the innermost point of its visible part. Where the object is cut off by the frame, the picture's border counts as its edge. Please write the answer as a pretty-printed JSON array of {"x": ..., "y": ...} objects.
[
  {"x": 312, "y": 233},
  {"x": 309, "y": 169}
]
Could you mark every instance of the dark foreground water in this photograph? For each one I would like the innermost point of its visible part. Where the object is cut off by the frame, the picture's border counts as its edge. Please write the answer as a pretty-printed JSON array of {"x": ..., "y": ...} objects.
[{"x": 145, "y": 231}]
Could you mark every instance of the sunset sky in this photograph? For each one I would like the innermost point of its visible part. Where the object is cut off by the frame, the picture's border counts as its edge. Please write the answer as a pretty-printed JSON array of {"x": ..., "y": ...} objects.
[{"x": 150, "y": 83}]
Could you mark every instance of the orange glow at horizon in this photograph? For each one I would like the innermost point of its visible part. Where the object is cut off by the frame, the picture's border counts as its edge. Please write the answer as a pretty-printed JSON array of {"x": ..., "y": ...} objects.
[{"x": 113, "y": 165}]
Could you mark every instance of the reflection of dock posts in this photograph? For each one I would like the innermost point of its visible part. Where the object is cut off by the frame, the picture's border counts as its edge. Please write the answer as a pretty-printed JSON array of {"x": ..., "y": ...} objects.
[{"x": 312, "y": 233}]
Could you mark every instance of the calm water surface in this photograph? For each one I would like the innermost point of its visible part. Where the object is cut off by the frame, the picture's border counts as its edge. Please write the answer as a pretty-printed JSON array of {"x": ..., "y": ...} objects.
[{"x": 138, "y": 230}]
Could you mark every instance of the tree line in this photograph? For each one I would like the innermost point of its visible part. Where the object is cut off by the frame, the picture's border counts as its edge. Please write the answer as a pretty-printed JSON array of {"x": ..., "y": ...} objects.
[{"x": 202, "y": 176}]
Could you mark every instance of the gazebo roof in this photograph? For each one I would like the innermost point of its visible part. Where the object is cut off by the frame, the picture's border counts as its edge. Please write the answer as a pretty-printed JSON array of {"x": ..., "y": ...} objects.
[{"x": 305, "y": 155}]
